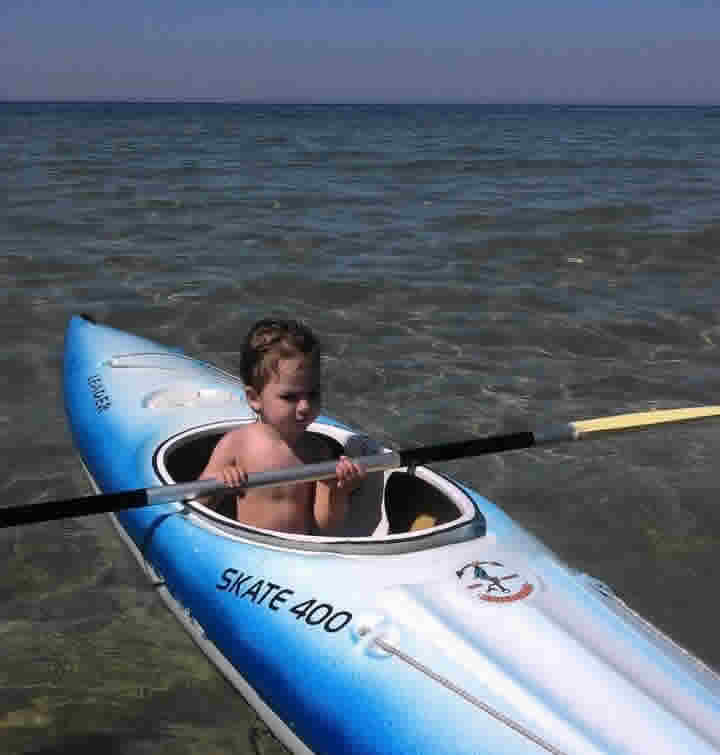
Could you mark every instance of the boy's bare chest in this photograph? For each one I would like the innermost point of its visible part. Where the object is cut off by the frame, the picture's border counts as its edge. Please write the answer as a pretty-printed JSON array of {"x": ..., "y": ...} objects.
[
  {"x": 288, "y": 508},
  {"x": 277, "y": 454}
]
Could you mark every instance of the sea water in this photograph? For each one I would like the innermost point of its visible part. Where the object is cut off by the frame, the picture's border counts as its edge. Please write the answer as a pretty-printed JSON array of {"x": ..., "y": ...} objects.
[{"x": 469, "y": 269}]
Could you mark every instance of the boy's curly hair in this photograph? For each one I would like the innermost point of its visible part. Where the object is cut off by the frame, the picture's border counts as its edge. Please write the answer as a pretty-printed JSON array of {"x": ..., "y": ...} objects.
[{"x": 270, "y": 340}]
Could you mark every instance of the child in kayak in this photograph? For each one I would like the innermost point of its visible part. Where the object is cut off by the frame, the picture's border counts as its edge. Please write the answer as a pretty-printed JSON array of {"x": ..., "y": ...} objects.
[{"x": 280, "y": 366}]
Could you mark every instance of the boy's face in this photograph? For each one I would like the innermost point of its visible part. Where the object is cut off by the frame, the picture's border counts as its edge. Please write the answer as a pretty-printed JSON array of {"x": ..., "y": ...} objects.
[{"x": 290, "y": 400}]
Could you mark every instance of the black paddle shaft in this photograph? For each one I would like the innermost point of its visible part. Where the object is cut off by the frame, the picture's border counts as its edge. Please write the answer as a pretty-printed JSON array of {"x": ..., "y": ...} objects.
[
  {"x": 463, "y": 448},
  {"x": 30, "y": 513}
]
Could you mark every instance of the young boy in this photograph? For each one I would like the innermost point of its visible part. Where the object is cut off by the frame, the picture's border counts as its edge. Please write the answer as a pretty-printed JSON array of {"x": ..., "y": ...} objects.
[{"x": 280, "y": 366}]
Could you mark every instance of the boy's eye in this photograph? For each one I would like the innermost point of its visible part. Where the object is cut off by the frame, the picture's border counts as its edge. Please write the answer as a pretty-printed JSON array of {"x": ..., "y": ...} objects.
[{"x": 295, "y": 397}]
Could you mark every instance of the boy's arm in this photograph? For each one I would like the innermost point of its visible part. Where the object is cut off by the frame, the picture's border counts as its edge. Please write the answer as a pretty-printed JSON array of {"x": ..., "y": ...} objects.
[
  {"x": 223, "y": 465},
  {"x": 331, "y": 507},
  {"x": 332, "y": 497}
]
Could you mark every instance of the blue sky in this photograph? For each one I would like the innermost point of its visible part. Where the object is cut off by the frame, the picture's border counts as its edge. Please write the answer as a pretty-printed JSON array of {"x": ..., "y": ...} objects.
[{"x": 513, "y": 51}]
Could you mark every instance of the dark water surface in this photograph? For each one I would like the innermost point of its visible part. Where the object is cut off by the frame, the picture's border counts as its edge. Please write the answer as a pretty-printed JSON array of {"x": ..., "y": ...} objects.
[{"x": 470, "y": 269}]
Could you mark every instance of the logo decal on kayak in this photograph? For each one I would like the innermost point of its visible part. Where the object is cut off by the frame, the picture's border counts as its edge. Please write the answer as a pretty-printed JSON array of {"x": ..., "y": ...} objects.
[
  {"x": 493, "y": 582},
  {"x": 259, "y": 591},
  {"x": 99, "y": 393}
]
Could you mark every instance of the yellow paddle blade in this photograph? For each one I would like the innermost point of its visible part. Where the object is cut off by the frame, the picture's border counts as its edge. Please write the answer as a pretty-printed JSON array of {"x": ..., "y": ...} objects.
[{"x": 639, "y": 420}]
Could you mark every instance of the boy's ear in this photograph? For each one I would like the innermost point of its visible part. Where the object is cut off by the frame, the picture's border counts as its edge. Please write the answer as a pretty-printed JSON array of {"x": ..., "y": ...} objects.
[{"x": 253, "y": 398}]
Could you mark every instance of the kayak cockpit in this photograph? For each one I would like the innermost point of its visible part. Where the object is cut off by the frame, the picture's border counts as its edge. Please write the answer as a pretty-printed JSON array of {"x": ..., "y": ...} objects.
[{"x": 403, "y": 509}]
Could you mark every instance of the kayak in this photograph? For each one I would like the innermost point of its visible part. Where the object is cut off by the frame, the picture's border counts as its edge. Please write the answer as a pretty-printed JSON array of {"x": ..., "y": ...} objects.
[{"x": 433, "y": 624}]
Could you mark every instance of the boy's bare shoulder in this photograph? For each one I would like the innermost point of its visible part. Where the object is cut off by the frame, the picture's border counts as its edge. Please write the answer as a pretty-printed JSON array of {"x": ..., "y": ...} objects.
[
  {"x": 258, "y": 444},
  {"x": 252, "y": 436},
  {"x": 235, "y": 437},
  {"x": 235, "y": 444}
]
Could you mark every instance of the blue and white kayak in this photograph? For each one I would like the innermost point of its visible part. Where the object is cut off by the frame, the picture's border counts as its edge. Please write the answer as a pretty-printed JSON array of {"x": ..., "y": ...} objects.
[{"x": 468, "y": 637}]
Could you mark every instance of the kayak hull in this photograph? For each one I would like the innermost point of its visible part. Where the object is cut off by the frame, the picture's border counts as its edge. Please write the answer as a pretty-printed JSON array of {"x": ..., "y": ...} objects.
[{"x": 465, "y": 638}]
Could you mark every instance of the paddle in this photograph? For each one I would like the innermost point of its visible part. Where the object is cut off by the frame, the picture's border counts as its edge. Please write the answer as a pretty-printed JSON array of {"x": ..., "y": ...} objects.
[{"x": 579, "y": 430}]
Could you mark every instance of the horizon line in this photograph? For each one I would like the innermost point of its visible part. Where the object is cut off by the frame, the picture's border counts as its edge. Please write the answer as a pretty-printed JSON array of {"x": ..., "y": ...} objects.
[{"x": 347, "y": 103}]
